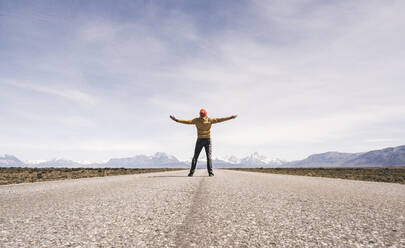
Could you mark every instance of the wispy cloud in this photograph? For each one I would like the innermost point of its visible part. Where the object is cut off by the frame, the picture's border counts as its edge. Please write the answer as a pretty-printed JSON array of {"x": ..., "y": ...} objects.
[
  {"x": 64, "y": 92},
  {"x": 381, "y": 140}
]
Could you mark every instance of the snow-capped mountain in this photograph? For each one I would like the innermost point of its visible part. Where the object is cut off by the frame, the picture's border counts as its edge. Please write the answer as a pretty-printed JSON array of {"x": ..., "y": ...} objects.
[
  {"x": 232, "y": 159},
  {"x": 10, "y": 161},
  {"x": 58, "y": 162},
  {"x": 159, "y": 159},
  {"x": 251, "y": 161},
  {"x": 255, "y": 159}
]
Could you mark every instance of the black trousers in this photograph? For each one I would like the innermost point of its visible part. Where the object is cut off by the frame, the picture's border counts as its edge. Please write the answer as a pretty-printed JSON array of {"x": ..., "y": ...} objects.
[{"x": 206, "y": 143}]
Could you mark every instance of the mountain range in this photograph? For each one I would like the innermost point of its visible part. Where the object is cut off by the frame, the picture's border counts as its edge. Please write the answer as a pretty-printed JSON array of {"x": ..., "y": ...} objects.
[
  {"x": 158, "y": 160},
  {"x": 388, "y": 157}
]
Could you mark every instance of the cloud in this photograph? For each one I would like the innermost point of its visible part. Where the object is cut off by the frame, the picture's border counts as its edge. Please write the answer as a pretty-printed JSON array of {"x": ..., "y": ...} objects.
[
  {"x": 381, "y": 140},
  {"x": 331, "y": 127},
  {"x": 74, "y": 95}
]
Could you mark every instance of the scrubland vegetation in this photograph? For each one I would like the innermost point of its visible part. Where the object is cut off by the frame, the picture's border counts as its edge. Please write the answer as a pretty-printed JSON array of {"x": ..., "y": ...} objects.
[
  {"x": 392, "y": 175},
  {"x": 14, "y": 175}
]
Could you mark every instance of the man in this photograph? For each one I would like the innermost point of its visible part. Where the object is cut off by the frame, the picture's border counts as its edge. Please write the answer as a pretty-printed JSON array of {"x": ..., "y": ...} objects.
[{"x": 203, "y": 124}]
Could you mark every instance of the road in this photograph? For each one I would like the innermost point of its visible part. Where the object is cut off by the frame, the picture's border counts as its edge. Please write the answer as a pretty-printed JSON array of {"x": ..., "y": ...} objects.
[{"x": 232, "y": 209}]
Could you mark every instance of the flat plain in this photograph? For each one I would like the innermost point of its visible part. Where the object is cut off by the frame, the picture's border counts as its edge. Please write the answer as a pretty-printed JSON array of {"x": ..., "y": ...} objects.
[{"x": 231, "y": 209}]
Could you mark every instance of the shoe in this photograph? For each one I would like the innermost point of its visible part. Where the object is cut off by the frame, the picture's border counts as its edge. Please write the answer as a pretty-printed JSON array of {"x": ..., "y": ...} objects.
[
  {"x": 211, "y": 174},
  {"x": 190, "y": 175}
]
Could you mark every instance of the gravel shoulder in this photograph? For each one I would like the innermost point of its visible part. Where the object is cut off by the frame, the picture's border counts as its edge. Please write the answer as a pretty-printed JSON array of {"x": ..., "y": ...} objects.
[{"x": 169, "y": 209}]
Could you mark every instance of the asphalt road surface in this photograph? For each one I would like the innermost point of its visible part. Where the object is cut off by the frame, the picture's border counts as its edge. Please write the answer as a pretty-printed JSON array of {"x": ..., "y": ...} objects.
[{"x": 232, "y": 209}]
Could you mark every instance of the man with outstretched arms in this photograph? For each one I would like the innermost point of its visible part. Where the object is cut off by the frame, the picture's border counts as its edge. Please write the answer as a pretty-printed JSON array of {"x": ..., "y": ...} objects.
[{"x": 203, "y": 124}]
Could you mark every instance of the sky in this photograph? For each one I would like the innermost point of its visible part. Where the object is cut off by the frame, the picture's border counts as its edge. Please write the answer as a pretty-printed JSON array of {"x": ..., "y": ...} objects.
[{"x": 93, "y": 80}]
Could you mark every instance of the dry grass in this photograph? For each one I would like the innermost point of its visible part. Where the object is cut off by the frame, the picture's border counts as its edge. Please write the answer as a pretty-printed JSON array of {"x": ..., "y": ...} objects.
[
  {"x": 15, "y": 175},
  {"x": 392, "y": 175}
]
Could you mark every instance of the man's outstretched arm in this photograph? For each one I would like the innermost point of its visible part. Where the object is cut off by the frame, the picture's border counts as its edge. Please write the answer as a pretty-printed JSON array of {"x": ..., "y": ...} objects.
[
  {"x": 217, "y": 120},
  {"x": 181, "y": 121}
]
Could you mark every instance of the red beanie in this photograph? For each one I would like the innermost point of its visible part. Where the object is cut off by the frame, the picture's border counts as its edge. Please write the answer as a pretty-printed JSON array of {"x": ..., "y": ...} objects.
[{"x": 203, "y": 113}]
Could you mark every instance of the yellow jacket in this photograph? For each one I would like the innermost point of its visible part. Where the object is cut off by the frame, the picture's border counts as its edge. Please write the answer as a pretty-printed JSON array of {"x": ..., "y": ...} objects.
[{"x": 203, "y": 124}]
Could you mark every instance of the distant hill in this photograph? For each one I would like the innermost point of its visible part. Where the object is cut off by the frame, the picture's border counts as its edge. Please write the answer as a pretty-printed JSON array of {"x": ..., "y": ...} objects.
[
  {"x": 323, "y": 159},
  {"x": 392, "y": 156}
]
